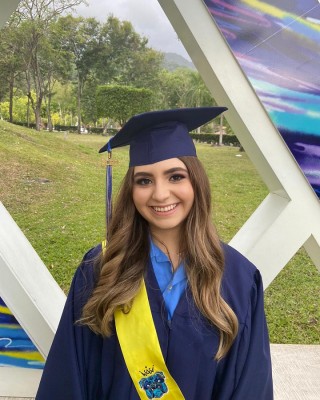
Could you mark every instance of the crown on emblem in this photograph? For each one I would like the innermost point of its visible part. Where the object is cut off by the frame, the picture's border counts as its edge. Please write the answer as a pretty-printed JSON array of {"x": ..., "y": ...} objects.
[{"x": 147, "y": 371}]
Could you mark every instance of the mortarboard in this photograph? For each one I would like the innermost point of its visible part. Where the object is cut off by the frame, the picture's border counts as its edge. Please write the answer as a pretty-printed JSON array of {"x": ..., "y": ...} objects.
[{"x": 158, "y": 135}]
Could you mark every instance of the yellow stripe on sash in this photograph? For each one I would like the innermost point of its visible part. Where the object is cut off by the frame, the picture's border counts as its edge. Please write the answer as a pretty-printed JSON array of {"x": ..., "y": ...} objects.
[{"x": 141, "y": 350}]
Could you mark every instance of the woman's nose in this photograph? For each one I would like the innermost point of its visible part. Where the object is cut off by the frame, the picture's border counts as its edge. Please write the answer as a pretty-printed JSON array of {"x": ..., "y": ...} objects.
[{"x": 160, "y": 192}]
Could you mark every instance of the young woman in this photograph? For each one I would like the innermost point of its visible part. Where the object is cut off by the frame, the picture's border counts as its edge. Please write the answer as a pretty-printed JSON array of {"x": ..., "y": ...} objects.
[{"x": 163, "y": 309}]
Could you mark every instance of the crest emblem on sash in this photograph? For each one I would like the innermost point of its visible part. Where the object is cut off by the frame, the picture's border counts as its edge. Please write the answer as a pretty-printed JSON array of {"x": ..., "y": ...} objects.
[{"x": 153, "y": 383}]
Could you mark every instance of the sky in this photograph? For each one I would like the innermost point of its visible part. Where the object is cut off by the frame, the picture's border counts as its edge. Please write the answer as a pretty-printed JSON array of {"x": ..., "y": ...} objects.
[{"x": 146, "y": 16}]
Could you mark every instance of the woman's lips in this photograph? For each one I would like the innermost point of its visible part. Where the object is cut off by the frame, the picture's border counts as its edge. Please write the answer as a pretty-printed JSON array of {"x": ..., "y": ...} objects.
[{"x": 164, "y": 209}]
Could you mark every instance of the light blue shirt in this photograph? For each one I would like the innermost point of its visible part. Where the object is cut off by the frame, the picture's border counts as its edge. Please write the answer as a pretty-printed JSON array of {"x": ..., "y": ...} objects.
[{"x": 172, "y": 284}]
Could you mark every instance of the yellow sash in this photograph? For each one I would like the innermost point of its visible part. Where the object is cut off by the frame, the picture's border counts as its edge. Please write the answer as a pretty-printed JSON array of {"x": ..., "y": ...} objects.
[{"x": 141, "y": 350}]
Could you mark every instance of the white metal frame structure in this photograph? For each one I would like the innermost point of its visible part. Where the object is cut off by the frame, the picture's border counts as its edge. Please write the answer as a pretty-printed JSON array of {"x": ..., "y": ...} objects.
[
  {"x": 34, "y": 298},
  {"x": 7, "y": 8},
  {"x": 289, "y": 216}
]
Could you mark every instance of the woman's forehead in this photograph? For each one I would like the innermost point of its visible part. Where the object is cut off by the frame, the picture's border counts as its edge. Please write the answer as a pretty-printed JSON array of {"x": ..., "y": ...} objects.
[{"x": 163, "y": 165}]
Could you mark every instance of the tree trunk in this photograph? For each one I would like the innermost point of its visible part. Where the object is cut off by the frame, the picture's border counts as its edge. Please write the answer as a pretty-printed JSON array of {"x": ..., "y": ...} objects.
[
  {"x": 221, "y": 130},
  {"x": 79, "y": 104},
  {"x": 198, "y": 103},
  {"x": 38, "y": 83},
  {"x": 30, "y": 101},
  {"x": 28, "y": 113},
  {"x": 37, "y": 114},
  {"x": 36, "y": 109},
  {"x": 50, "y": 125},
  {"x": 28, "y": 95},
  {"x": 11, "y": 86}
]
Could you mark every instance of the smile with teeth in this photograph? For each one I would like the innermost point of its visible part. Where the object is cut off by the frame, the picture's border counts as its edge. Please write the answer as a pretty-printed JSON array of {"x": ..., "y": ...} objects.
[{"x": 164, "y": 209}]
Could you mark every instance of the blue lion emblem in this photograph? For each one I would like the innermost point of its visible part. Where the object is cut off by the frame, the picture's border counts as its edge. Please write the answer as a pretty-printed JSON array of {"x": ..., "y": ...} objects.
[{"x": 154, "y": 385}]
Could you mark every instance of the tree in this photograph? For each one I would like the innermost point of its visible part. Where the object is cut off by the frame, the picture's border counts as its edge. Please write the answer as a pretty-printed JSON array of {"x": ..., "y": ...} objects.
[
  {"x": 49, "y": 53},
  {"x": 198, "y": 94},
  {"x": 81, "y": 37},
  {"x": 104, "y": 54},
  {"x": 10, "y": 62},
  {"x": 174, "y": 87},
  {"x": 36, "y": 15},
  {"x": 19, "y": 108},
  {"x": 184, "y": 88},
  {"x": 89, "y": 106},
  {"x": 45, "y": 10},
  {"x": 145, "y": 69},
  {"x": 120, "y": 43},
  {"x": 56, "y": 65},
  {"x": 125, "y": 58},
  {"x": 65, "y": 102},
  {"x": 121, "y": 102}
]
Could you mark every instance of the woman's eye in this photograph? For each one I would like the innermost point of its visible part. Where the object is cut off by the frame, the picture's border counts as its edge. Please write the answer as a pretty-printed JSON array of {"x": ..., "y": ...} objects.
[
  {"x": 143, "y": 181},
  {"x": 177, "y": 177}
]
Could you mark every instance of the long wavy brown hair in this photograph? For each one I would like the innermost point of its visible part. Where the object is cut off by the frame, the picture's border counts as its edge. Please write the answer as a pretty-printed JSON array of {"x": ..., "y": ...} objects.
[{"x": 123, "y": 264}]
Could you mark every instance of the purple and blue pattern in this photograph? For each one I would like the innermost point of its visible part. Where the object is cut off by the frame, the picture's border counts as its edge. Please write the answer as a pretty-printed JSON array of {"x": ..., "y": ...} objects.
[
  {"x": 277, "y": 43},
  {"x": 16, "y": 348}
]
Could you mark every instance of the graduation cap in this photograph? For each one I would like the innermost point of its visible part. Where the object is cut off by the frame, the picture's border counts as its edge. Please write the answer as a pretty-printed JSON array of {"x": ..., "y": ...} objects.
[
  {"x": 156, "y": 136},
  {"x": 159, "y": 135}
]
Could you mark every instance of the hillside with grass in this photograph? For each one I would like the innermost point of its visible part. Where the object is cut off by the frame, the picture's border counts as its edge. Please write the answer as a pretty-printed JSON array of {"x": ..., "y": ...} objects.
[{"x": 53, "y": 185}]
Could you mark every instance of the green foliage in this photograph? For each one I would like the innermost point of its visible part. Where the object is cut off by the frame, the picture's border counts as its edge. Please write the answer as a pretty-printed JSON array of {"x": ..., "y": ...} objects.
[
  {"x": 89, "y": 103},
  {"x": 4, "y": 110},
  {"x": 64, "y": 102},
  {"x": 184, "y": 88},
  {"x": 10, "y": 61},
  {"x": 214, "y": 139},
  {"x": 65, "y": 216},
  {"x": 60, "y": 63},
  {"x": 103, "y": 53},
  {"x": 20, "y": 107},
  {"x": 44, "y": 10},
  {"x": 144, "y": 70},
  {"x": 59, "y": 60},
  {"x": 81, "y": 38},
  {"x": 117, "y": 58},
  {"x": 121, "y": 102}
]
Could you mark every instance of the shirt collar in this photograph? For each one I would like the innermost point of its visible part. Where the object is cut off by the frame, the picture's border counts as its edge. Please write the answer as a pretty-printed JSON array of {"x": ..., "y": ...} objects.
[
  {"x": 157, "y": 254},
  {"x": 160, "y": 257}
]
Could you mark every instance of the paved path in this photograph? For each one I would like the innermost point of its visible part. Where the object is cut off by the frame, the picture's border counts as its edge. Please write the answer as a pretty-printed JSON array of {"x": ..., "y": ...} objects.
[{"x": 296, "y": 372}]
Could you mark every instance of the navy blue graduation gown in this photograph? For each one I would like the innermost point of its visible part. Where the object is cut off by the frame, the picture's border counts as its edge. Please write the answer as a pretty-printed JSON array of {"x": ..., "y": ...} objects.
[{"x": 84, "y": 366}]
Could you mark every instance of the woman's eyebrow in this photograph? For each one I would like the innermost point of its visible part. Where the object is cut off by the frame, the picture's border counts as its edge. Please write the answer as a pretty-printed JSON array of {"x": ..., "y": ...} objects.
[
  {"x": 137, "y": 174},
  {"x": 167, "y": 172},
  {"x": 176, "y": 169}
]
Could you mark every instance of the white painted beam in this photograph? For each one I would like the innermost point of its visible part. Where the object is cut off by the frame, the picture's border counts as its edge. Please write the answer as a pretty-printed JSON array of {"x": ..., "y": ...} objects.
[
  {"x": 7, "y": 7},
  {"x": 19, "y": 382},
  {"x": 277, "y": 238},
  {"x": 313, "y": 249},
  {"x": 26, "y": 286}
]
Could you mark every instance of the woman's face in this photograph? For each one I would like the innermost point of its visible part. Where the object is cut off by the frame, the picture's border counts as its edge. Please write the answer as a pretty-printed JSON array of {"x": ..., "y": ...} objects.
[{"x": 163, "y": 194}]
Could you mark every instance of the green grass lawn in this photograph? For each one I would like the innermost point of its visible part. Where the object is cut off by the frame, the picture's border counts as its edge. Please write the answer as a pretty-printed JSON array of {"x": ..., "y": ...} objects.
[{"x": 54, "y": 187}]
